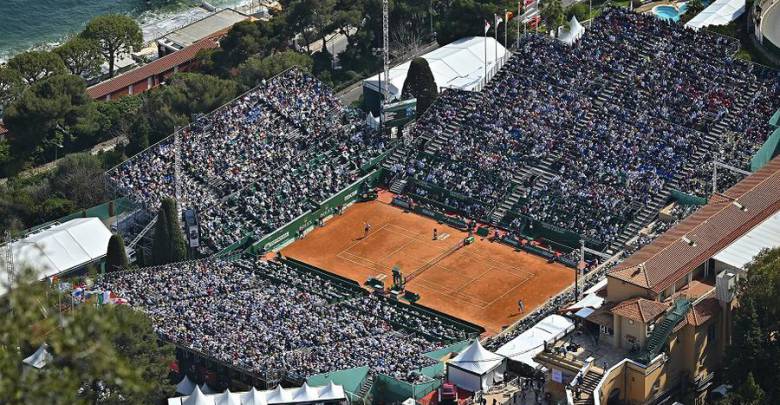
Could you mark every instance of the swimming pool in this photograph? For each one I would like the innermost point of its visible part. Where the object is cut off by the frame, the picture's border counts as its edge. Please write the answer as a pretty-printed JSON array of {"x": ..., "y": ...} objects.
[{"x": 670, "y": 12}]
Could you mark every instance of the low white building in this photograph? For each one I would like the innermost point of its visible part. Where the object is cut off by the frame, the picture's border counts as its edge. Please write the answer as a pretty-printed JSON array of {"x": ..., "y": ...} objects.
[
  {"x": 462, "y": 64},
  {"x": 60, "y": 248},
  {"x": 528, "y": 344}
]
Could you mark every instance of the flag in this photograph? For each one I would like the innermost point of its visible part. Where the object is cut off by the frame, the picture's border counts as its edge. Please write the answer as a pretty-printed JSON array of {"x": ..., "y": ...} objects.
[
  {"x": 499, "y": 20},
  {"x": 487, "y": 27},
  {"x": 508, "y": 16}
]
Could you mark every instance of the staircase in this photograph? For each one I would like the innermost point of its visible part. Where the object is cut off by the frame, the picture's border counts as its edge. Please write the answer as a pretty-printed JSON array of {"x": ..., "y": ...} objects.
[
  {"x": 642, "y": 219},
  {"x": 663, "y": 330},
  {"x": 365, "y": 389},
  {"x": 398, "y": 186},
  {"x": 507, "y": 203},
  {"x": 588, "y": 386}
]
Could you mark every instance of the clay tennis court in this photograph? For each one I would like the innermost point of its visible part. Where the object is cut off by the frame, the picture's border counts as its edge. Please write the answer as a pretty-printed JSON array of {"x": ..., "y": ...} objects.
[{"x": 480, "y": 283}]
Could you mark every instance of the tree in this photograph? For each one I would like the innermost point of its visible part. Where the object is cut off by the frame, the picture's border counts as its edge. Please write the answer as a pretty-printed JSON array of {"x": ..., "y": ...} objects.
[
  {"x": 578, "y": 10},
  {"x": 694, "y": 8},
  {"x": 112, "y": 346},
  {"x": 77, "y": 178},
  {"x": 116, "y": 35},
  {"x": 255, "y": 69},
  {"x": 11, "y": 85},
  {"x": 162, "y": 239},
  {"x": 116, "y": 257},
  {"x": 52, "y": 113},
  {"x": 177, "y": 247},
  {"x": 33, "y": 66},
  {"x": 81, "y": 56},
  {"x": 465, "y": 18},
  {"x": 138, "y": 138},
  {"x": 420, "y": 84},
  {"x": 552, "y": 13},
  {"x": 750, "y": 393},
  {"x": 754, "y": 348}
]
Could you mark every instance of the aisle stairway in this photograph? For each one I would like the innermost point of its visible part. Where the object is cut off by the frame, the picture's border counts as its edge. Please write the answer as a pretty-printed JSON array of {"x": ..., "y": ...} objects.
[{"x": 588, "y": 386}]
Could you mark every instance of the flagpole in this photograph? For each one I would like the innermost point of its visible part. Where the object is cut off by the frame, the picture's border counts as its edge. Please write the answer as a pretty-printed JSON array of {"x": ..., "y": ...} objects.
[
  {"x": 506, "y": 26},
  {"x": 520, "y": 21},
  {"x": 495, "y": 46}
]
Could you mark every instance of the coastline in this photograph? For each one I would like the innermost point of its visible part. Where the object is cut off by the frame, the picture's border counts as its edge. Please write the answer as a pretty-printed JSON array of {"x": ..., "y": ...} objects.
[{"x": 154, "y": 23}]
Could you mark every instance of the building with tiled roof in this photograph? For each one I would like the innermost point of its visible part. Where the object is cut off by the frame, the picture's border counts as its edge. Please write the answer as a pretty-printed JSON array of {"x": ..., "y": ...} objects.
[
  {"x": 179, "y": 56},
  {"x": 664, "y": 325},
  {"x": 151, "y": 75},
  {"x": 671, "y": 261}
]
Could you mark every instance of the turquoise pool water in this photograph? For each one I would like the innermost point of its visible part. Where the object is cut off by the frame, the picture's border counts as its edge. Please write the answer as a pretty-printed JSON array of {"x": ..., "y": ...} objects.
[{"x": 670, "y": 12}]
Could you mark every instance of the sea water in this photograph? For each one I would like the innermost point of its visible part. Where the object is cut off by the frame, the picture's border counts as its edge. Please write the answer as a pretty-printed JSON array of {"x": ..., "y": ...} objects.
[{"x": 42, "y": 24}]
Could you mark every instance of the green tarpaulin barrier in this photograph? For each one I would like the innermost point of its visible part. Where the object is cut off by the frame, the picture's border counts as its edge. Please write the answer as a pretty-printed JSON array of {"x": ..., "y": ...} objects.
[
  {"x": 688, "y": 199},
  {"x": 768, "y": 150},
  {"x": 775, "y": 120},
  {"x": 351, "y": 379}
]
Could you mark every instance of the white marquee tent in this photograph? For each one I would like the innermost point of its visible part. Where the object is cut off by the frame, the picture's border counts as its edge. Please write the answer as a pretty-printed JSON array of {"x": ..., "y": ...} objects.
[
  {"x": 475, "y": 368},
  {"x": 528, "y": 344},
  {"x": 60, "y": 248},
  {"x": 460, "y": 64},
  {"x": 40, "y": 358},
  {"x": 305, "y": 394},
  {"x": 721, "y": 12},
  {"x": 574, "y": 32}
]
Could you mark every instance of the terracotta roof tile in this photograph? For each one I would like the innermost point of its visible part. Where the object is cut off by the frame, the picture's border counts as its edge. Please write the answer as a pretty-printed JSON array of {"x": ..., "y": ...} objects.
[
  {"x": 703, "y": 311},
  {"x": 156, "y": 67},
  {"x": 640, "y": 309},
  {"x": 711, "y": 228}
]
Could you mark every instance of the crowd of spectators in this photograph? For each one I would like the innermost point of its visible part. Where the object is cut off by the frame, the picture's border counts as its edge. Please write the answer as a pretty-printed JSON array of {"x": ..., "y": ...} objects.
[
  {"x": 269, "y": 317},
  {"x": 258, "y": 162},
  {"x": 606, "y": 154}
]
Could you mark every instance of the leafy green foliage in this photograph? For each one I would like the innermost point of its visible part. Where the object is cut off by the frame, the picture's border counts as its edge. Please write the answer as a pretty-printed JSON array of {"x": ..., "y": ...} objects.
[
  {"x": 52, "y": 112},
  {"x": 255, "y": 69},
  {"x": 162, "y": 239},
  {"x": 578, "y": 10},
  {"x": 34, "y": 66},
  {"x": 116, "y": 35},
  {"x": 113, "y": 347},
  {"x": 11, "y": 85},
  {"x": 420, "y": 84},
  {"x": 81, "y": 56},
  {"x": 177, "y": 247},
  {"x": 116, "y": 257},
  {"x": 751, "y": 360},
  {"x": 552, "y": 13}
]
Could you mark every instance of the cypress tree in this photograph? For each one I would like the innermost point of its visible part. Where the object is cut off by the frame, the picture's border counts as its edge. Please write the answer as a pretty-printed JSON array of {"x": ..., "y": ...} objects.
[
  {"x": 116, "y": 257},
  {"x": 161, "y": 243},
  {"x": 420, "y": 83},
  {"x": 177, "y": 247}
]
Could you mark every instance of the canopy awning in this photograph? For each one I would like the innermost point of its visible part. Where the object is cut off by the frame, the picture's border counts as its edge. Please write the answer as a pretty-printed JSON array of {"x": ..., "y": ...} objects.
[
  {"x": 765, "y": 235},
  {"x": 721, "y": 12},
  {"x": 476, "y": 359}
]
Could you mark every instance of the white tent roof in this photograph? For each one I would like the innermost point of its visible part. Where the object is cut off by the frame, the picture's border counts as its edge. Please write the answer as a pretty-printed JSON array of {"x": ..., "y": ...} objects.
[
  {"x": 460, "y": 64},
  {"x": 721, "y": 12},
  {"x": 302, "y": 395},
  {"x": 528, "y": 344},
  {"x": 573, "y": 33},
  {"x": 40, "y": 358},
  {"x": 61, "y": 247},
  {"x": 198, "y": 398},
  {"x": 765, "y": 235},
  {"x": 185, "y": 386},
  {"x": 476, "y": 359},
  {"x": 227, "y": 398}
]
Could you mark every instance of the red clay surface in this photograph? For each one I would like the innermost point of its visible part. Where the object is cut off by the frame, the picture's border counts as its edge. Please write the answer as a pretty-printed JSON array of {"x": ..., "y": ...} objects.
[{"x": 480, "y": 283}]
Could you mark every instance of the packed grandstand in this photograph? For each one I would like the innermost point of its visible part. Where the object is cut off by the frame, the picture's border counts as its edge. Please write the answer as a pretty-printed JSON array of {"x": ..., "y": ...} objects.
[{"x": 591, "y": 139}]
